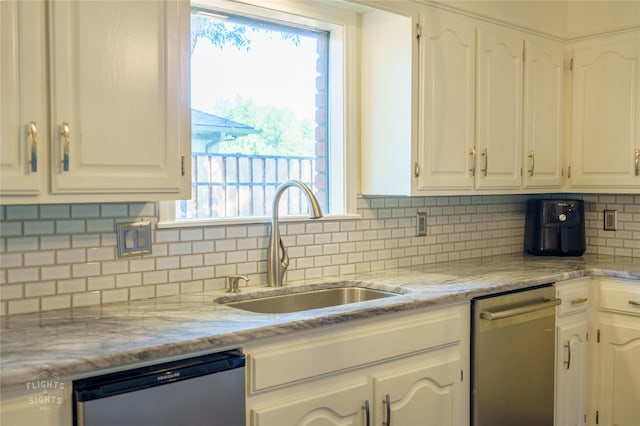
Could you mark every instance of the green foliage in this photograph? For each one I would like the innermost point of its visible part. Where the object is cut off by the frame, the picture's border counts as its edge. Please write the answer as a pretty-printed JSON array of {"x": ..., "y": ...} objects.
[
  {"x": 281, "y": 132},
  {"x": 218, "y": 33}
]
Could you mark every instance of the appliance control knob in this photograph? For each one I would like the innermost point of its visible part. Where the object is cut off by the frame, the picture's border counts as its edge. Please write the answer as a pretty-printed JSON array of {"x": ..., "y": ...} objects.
[{"x": 562, "y": 217}]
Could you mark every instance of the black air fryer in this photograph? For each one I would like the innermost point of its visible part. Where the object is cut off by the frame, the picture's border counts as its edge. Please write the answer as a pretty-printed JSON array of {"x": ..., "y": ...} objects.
[{"x": 555, "y": 228}]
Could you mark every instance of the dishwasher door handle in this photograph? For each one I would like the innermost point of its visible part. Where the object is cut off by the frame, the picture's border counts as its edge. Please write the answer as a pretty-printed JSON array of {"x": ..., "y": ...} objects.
[{"x": 547, "y": 303}]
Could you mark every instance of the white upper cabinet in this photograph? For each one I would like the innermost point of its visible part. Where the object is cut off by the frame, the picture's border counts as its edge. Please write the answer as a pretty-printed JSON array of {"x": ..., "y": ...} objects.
[
  {"x": 543, "y": 112},
  {"x": 480, "y": 107},
  {"x": 119, "y": 111},
  {"x": 23, "y": 97},
  {"x": 447, "y": 102},
  {"x": 499, "y": 108},
  {"x": 605, "y": 127}
]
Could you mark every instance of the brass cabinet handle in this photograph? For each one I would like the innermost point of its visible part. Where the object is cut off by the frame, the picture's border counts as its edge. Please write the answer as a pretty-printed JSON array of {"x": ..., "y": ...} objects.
[
  {"x": 472, "y": 153},
  {"x": 533, "y": 162},
  {"x": 637, "y": 161},
  {"x": 65, "y": 146},
  {"x": 33, "y": 146},
  {"x": 485, "y": 154},
  {"x": 634, "y": 303},
  {"x": 579, "y": 301}
]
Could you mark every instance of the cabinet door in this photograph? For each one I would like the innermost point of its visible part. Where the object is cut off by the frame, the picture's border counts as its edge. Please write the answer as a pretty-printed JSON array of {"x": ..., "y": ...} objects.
[
  {"x": 620, "y": 374},
  {"x": 572, "y": 373},
  {"x": 118, "y": 114},
  {"x": 339, "y": 406},
  {"x": 447, "y": 100},
  {"x": 606, "y": 115},
  {"x": 543, "y": 94},
  {"x": 499, "y": 109},
  {"x": 23, "y": 122},
  {"x": 427, "y": 395}
]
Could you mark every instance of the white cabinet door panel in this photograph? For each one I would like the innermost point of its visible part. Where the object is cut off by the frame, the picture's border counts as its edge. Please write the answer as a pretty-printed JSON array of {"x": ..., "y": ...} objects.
[
  {"x": 339, "y": 406},
  {"x": 23, "y": 167},
  {"x": 620, "y": 374},
  {"x": 115, "y": 82},
  {"x": 606, "y": 115},
  {"x": 429, "y": 395},
  {"x": 572, "y": 374},
  {"x": 543, "y": 94},
  {"x": 447, "y": 100},
  {"x": 499, "y": 109}
]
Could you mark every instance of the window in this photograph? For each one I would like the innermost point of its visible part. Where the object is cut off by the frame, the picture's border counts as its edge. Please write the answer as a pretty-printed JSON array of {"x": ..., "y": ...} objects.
[{"x": 267, "y": 105}]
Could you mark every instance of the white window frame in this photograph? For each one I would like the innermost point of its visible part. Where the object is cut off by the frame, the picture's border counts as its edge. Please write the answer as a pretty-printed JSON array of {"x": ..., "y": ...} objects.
[{"x": 343, "y": 101}]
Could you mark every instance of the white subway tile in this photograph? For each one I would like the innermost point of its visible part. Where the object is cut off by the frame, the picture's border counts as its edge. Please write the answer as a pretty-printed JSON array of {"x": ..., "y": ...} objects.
[
  {"x": 104, "y": 282},
  {"x": 39, "y": 289},
  {"x": 11, "y": 229},
  {"x": 193, "y": 234},
  {"x": 71, "y": 286},
  {"x": 236, "y": 232},
  {"x": 85, "y": 299},
  {"x": 216, "y": 233},
  {"x": 55, "y": 272},
  {"x": 203, "y": 272},
  {"x": 155, "y": 277},
  {"x": 56, "y": 302},
  {"x": 85, "y": 269},
  {"x": 22, "y": 244},
  {"x": 11, "y": 291},
  {"x": 85, "y": 240},
  {"x": 39, "y": 258},
  {"x": 85, "y": 210},
  {"x": 146, "y": 292},
  {"x": 167, "y": 289},
  {"x": 129, "y": 280},
  {"x": 23, "y": 306},
  {"x": 70, "y": 226},
  {"x": 11, "y": 260},
  {"x": 178, "y": 275},
  {"x": 113, "y": 296},
  {"x": 191, "y": 287},
  {"x": 21, "y": 212}
]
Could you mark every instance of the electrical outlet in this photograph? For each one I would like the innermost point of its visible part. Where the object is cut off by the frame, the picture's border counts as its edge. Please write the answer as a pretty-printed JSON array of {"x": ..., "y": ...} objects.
[
  {"x": 611, "y": 220},
  {"x": 421, "y": 224},
  {"x": 133, "y": 239}
]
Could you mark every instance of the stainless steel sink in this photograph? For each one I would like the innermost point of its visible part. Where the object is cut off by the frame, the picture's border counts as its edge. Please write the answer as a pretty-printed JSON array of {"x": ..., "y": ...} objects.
[{"x": 307, "y": 300}]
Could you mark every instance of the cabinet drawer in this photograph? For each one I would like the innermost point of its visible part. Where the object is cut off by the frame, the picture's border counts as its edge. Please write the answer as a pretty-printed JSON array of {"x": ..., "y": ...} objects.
[
  {"x": 300, "y": 356},
  {"x": 575, "y": 297},
  {"x": 620, "y": 296}
]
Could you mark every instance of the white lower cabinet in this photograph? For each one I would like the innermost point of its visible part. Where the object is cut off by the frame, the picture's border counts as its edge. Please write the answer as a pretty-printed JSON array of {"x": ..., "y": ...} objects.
[
  {"x": 572, "y": 352},
  {"x": 412, "y": 369},
  {"x": 619, "y": 353},
  {"x": 429, "y": 393}
]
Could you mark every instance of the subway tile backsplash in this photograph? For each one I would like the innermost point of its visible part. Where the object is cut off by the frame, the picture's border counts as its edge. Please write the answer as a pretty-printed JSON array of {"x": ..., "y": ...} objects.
[{"x": 60, "y": 256}]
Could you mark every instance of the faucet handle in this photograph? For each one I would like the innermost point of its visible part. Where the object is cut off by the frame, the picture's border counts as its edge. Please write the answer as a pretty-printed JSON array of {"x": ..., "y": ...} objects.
[{"x": 233, "y": 283}]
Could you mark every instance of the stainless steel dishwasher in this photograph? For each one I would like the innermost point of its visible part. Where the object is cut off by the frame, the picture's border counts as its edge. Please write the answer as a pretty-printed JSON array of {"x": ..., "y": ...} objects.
[
  {"x": 205, "y": 390},
  {"x": 513, "y": 353}
]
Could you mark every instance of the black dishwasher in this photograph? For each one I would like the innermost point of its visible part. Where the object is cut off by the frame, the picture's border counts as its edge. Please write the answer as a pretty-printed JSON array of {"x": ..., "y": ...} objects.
[{"x": 204, "y": 390}]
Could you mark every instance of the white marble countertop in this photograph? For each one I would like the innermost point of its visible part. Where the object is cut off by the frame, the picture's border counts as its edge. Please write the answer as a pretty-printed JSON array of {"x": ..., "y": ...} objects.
[{"x": 76, "y": 342}]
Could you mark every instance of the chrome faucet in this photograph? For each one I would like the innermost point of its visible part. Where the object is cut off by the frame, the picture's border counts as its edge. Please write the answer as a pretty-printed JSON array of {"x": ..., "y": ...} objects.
[{"x": 277, "y": 265}]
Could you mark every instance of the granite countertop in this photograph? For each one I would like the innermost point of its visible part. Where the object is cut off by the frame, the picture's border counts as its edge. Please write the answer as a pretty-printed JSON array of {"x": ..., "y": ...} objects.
[{"x": 76, "y": 342}]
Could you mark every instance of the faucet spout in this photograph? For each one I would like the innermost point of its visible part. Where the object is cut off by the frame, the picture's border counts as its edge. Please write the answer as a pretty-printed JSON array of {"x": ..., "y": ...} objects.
[{"x": 277, "y": 258}]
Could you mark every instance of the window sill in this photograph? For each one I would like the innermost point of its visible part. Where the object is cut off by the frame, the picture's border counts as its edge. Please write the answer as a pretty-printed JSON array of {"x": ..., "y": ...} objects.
[{"x": 250, "y": 221}]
